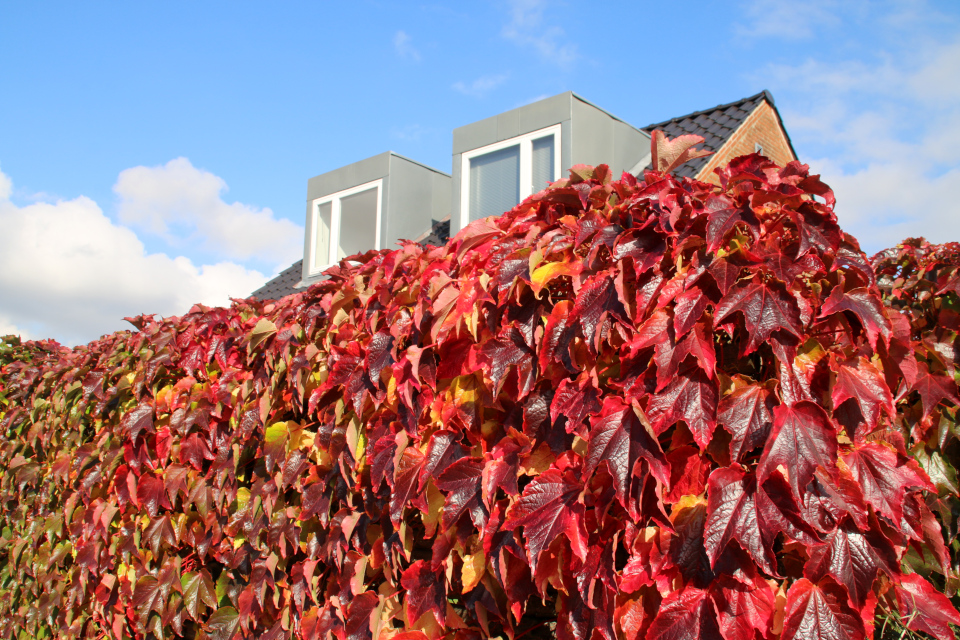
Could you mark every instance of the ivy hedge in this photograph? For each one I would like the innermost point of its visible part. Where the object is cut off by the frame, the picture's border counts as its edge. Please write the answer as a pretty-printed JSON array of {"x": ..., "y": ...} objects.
[{"x": 625, "y": 409}]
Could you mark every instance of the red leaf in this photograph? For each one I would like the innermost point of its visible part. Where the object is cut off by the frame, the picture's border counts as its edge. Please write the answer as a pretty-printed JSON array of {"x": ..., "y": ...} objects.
[
  {"x": 934, "y": 388},
  {"x": 151, "y": 494},
  {"x": 819, "y": 612},
  {"x": 138, "y": 420},
  {"x": 865, "y": 304},
  {"x": 689, "y": 310},
  {"x": 925, "y": 608},
  {"x": 404, "y": 482},
  {"x": 766, "y": 307},
  {"x": 548, "y": 507},
  {"x": 379, "y": 355},
  {"x": 884, "y": 478},
  {"x": 425, "y": 591},
  {"x": 619, "y": 437},
  {"x": 688, "y": 473},
  {"x": 691, "y": 397},
  {"x": 596, "y": 301},
  {"x": 732, "y": 515},
  {"x": 686, "y": 615},
  {"x": 444, "y": 449},
  {"x": 853, "y": 558},
  {"x": 724, "y": 214},
  {"x": 462, "y": 484},
  {"x": 575, "y": 400},
  {"x": 864, "y": 384},
  {"x": 743, "y": 610},
  {"x": 747, "y": 414},
  {"x": 359, "y": 615},
  {"x": 802, "y": 439},
  {"x": 669, "y": 154}
]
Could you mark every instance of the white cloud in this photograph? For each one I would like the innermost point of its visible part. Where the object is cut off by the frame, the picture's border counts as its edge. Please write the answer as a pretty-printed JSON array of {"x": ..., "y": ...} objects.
[
  {"x": 527, "y": 28},
  {"x": 180, "y": 202},
  {"x": 403, "y": 46},
  {"x": 481, "y": 86},
  {"x": 887, "y": 133},
  {"x": 68, "y": 272}
]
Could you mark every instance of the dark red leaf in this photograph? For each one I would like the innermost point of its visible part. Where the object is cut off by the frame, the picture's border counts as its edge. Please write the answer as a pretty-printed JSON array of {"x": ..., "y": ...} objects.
[
  {"x": 747, "y": 415},
  {"x": 884, "y": 477},
  {"x": 852, "y": 558},
  {"x": 462, "y": 484},
  {"x": 425, "y": 591},
  {"x": 766, "y": 308},
  {"x": 732, "y": 515},
  {"x": 934, "y": 388},
  {"x": 691, "y": 397},
  {"x": 802, "y": 439},
  {"x": 865, "y": 304},
  {"x": 686, "y": 615},
  {"x": 743, "y": 610},
  {"x": 924, "y": 608},
  {"x": 688, "y": 473},
  {"x": 820, "y": 612},
  {"x": 865, "y": 384},
  {"x": 151, "y": 494},
  {"x": 548, "y": 507},
  {"x": 405, "y": 482},
  {"x": 619, "y": 437}
]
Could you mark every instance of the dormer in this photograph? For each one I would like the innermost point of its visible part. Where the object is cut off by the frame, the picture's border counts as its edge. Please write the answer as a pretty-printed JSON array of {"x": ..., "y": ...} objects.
[
  {"x": 499, "y": 161},
  {"x": 370, "y": 204}
]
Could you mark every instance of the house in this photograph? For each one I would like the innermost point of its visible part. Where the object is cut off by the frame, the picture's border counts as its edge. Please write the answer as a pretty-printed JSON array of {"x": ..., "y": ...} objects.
[{"x": 499, "y": 161}]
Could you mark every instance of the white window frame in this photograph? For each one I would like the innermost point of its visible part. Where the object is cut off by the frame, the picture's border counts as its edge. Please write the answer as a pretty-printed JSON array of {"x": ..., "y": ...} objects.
[
  {"x": 334, "y": 200},
  {"x": 526, "y": 165}
]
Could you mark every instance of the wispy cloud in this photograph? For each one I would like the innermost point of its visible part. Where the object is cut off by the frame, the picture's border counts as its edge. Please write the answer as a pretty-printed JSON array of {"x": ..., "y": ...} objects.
[
  {"x": 528, "y": 28},
  {"x": 481, "y": 86},
  {"x": 790, "y": 20},
  {"x": 409, "y": 133},
  {"x": 885, "y": 133},
  {"x": 404, "y": 47}
]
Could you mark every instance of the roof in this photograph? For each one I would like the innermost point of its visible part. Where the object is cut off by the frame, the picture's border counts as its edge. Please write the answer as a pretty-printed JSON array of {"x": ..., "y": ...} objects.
[
  {"x": 283, "y": 285},
  {"x": 715, "y": 126}
]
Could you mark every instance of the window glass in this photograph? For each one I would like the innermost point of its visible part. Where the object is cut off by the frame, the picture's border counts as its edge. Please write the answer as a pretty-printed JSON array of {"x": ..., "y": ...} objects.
[
  {"x": 494, "y": 182},
  {"x": 358, "y": 223},
  {"x": 543, "y": 162},
  {"x": 321, "y": 247}
]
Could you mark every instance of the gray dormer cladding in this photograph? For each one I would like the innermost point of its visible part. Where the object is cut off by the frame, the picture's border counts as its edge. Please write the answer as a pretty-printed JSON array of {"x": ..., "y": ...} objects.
[
  {"x": 588, "y": 135},
  {"x": 412, "y": 197}
]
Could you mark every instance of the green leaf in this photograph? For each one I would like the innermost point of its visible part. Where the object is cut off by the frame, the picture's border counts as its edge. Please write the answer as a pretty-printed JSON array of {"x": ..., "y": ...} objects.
[
  {"x": 197, "y": 589},
  {"x": 274, "y": 446},
  {"x": 223, "y": 624},
  {"x": 260, "y": 333}
]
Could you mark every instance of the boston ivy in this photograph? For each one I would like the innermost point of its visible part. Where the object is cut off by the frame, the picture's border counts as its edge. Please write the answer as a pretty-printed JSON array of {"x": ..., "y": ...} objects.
[{"x": 625, "y": 409}]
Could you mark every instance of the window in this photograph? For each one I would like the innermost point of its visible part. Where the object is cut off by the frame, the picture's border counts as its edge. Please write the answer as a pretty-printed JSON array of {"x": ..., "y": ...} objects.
[
  {"x": 495, "y": 178},
  {"x": 345, "y": 223},
  {"x": 758, "y": 148}
]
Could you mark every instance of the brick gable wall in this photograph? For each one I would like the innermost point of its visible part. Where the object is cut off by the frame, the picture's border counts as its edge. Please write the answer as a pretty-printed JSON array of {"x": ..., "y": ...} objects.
[{"x": 762, "y": 126}]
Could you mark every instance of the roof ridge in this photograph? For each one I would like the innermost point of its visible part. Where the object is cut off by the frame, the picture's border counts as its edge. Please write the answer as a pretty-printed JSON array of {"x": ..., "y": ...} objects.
[{"x": 766, "y": 95}]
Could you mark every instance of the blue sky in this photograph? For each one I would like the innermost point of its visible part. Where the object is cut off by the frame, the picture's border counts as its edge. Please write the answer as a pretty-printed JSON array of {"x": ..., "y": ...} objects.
[{"x": 155, "y": 154}]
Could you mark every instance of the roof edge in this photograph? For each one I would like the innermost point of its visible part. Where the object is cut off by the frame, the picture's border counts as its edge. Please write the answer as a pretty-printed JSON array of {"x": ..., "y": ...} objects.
[{"x": 766, "y": 95}]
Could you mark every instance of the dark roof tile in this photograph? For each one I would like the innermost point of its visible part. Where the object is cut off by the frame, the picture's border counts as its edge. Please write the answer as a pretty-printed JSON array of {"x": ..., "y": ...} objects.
[
  {"x": 283, "y": 285},
  {"x": 714, "y": 125}
]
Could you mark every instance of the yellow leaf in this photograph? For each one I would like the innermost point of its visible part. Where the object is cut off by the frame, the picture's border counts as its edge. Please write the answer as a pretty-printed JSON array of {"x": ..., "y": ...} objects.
[
  {"x": 547, "y": 272},
  {"x": 473, "y": 569}
]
